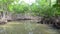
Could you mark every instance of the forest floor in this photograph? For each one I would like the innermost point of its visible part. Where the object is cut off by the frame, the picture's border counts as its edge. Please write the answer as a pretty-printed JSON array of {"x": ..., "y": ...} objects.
[{"x": 26, "y": 27}]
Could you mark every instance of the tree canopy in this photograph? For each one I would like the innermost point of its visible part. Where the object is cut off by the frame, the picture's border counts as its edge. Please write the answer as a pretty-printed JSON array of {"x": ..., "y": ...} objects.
[{"x": 39, "y": 7}]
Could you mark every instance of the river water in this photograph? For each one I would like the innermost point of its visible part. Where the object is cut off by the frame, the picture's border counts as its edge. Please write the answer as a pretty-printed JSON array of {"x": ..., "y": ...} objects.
[
  {"x": 27, "y": 27},
  {"x": 40, "y": 28}
]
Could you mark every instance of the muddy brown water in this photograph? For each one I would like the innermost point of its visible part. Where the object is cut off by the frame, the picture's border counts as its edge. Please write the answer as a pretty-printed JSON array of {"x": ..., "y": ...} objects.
[
  {"x": 40, "y": 29},
  {"x": 50, "y": 26}
]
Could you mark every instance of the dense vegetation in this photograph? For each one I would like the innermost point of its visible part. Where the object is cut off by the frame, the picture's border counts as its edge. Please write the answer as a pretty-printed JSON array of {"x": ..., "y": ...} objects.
[
  {"x": 40, "y": 7},
  {"x": 45, "y": 8},
  {"x": 12, "y": 10}
]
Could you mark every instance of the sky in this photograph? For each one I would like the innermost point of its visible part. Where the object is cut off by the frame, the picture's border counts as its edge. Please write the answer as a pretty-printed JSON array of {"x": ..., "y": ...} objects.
[
  {"x": 31, "y": 1},
  {"x": 26, "y": 1}
]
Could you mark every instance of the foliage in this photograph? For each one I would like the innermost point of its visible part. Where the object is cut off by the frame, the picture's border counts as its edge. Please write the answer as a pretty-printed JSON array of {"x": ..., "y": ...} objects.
[
  {"x": 20, "y": 8},
  {"x": 39, "y": 8},
  {"x": 44, "y": 8},
  {"x": 57, "y": 8}
]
